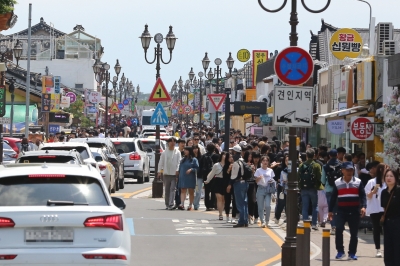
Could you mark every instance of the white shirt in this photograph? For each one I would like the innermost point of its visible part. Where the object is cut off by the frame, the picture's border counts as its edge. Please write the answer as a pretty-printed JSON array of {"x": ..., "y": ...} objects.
[
  {"x": 215, "y": 171},
  {"x": 101, "y": 135},
  {"x": 374, "y": 204},
  {"x": 235, "y": 168},
  {"x": 266, "y": 174},
  {"x": 169, "y": 161}
]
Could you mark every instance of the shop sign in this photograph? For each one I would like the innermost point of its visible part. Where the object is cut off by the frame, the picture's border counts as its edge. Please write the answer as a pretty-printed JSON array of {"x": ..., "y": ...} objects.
[
  {"x": 346, "y": 43},
  {"x": 259, "y": 57},
  {"x": 337, "y": 127},
  {"x": 361, "y": 128}
]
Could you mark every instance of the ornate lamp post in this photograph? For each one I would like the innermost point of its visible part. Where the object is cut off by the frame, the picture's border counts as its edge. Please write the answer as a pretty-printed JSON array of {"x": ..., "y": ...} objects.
[
  {"x": 289, "y": 247},
  {"x": 229, "y": 63},
  {"x": 117, "y": 69},
  {"x": 157, "y": 186},
  {"x": 102, "y": 75}
]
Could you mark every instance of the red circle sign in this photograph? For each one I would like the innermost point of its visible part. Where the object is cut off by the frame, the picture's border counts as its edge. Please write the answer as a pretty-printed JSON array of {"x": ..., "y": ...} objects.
[
  {"x": 187, "y": 109},
  {"x": 294, "y": 66},
  {"x": 361, "y": 128}
]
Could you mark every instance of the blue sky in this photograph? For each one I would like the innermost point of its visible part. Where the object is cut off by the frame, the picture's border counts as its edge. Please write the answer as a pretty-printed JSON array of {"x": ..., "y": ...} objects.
[{"x": 214, "y": 26}]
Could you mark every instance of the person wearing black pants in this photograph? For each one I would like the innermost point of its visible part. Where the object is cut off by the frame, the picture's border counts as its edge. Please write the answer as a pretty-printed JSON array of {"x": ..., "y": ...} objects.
[
  {"x": 252, "y": 202},
  {"x": 209, "y": 197},
  {"x": 229, "y": 196}
]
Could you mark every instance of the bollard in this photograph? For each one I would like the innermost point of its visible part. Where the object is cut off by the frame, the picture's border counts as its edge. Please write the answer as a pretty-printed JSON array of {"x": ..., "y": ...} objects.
[
  {"x": 299, "y": 245},
  {"x": 326, "y": 247},
  {"x": 306, "y": 249}
]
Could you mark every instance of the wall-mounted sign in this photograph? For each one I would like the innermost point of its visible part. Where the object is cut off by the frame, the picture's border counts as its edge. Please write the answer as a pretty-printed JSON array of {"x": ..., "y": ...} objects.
[
  {"x": 259, "y": 57},
  {"x": 57, "y": 82},
  {"x": 379, "y": 128},
  {"x": 255, "y": 108},
  {"x": 362, "y": 128},
  {"x": 72, "y": 97},
  {"x": 346, "y": 43},
  {"x": 337, "y": 127},
  {"x": 243, "y": 55}
]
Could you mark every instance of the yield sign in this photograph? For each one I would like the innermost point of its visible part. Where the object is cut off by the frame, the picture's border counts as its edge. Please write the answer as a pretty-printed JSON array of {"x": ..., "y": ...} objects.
[
  {"x": 217, "y": 100},
  {"x": 114, "y": 109},
  {"x": 294, "y": 66},
  {"x": 159, "y": 93}
]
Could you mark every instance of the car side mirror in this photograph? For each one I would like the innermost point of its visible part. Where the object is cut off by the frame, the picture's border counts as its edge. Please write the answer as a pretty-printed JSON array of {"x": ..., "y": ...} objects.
[
  {"x": 98, "y": 158},
  {"x": 120, "y": 151},
  {"x": 119, "y": 203},
  {"x": 112, "y": 156},
  {"x": 149, "y": 150}
]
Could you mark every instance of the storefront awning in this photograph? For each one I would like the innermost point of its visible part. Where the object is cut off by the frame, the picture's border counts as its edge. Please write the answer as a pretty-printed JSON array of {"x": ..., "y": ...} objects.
[{"x": 360, "y": 110}]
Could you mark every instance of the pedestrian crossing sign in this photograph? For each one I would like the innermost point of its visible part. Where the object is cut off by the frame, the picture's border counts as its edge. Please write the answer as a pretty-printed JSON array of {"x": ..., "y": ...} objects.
[
  {"x": 159, "y": 116},
  {"x": 159, "y": 93},
  {"x": 114, "y": 109}
]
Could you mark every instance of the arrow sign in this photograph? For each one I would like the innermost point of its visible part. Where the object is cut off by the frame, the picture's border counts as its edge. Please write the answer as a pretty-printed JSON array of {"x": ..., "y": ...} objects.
[
  {"x": 294, "y": 66},
  {"x": 159, "y": 116},
  {"x": 216, "y": 100},
  {"x": 114, "y": 109},
  {"x": 159, "y": 93}
]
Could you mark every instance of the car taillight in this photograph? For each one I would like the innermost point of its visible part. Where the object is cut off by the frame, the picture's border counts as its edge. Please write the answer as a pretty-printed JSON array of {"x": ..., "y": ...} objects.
[
  {"x": 134, "y": 156},
  {"x": 47, "y": 176},
  {"x": 102, "y": 167},
  {"x": 7, "y": 257},
  {"x": 6, "y": 222},
  {"x": 104, "y": 256},
  {"x": 117, "y": 143},
  {"x": 111, "y": 221}
]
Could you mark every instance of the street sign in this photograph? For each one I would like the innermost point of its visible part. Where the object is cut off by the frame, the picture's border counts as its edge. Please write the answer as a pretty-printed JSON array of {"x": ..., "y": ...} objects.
[
  {"x": 159, "y": 116},
  {"x": 243, "y": 55},
  {"x": 54, "y": 129},
  {"x": 187, "y": 109},
  {"x": 180, "y": 110},
  {"x": 294, "y": 66},
  {"x": 72, "y": 96},
  {"x": 159, "y": 93},
  {"x": 2, "y": 101},
  {"x": 114, "y": 109},
  {"x": 126, "y": 102},
  {"x": 216, "y": 100},
  {"x": 4, "y": 120},
  {"x": 254, "y": 108},
  {"x": 346, "y": 43},
  {"x": 206, "y": 116},
  {"x": 361, "y": 128},
  {"x": 94, "y": 97},
  {"x": 293, "y": 107},
  {"x": 120, "y": 106}
]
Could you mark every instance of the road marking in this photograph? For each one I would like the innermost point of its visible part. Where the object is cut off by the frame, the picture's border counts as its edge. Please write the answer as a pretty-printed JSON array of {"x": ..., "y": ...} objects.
[
  {"x": 129, "y": 195},
  {"x": 129, "y": 221},
  {"x": 205, "y": 221},
  {"x": 190, "y": 221},
  {"x": 193, "y": 227},
  {"x": 175, "y": 221}
]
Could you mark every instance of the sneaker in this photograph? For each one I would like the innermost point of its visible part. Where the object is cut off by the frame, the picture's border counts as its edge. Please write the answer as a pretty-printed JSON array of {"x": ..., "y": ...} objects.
[
  {"x": 323, "y": 224},
  {"x": 171, "y": 208},
  {"x": 340, "y": 255},
  {"x": 251, "y": 220},
  {"x": 263, "y": 225},
  {"x": 314, "y": 227},
  {"x": 352, "y": 257},
  {"x": 256, "y": 221},
  {"x": 189, "y": 208},
  {"x": 233, "y": 221},
  {"x": 228, "y": 220},
  {"x": 333, "y": 231},
  {"x": 276, "y": 221},
  {"x": 378, "y": 253},
  {"x": 269, "y": 225},
  {"x": 181, "y": 207},
  {"x": 238, "y": 225}
]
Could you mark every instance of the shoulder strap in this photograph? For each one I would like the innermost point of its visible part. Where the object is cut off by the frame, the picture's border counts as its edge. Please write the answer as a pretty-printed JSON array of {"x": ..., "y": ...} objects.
[{"x": 387, "y": 205}]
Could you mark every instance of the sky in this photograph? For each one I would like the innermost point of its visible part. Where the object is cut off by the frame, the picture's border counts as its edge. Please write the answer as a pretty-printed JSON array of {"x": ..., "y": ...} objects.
[{"x": 214, "y": 26}]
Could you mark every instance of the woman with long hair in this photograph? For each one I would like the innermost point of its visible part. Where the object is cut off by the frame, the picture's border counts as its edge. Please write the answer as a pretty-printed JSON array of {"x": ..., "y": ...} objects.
[
  {"x": 187, "y": 176},
  {"x": 265, "y": 179},
  {"x": 373, "y": 190},
  {"x": 251, "y": 191},
  {"x": 229, "y": 196},
  {"x": 219, "y": 184},
  {"x": 189, "y": 142},
  {"x": 390, "y": 201},
  {"x": 199, "y": 179},
  {"x": 282, "y": 187}
]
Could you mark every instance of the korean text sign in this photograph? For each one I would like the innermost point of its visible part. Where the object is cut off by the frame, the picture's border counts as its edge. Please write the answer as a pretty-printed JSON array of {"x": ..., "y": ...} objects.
[
  {"x": 361, "y": 128},
  {"x": 346, "y": 43}
]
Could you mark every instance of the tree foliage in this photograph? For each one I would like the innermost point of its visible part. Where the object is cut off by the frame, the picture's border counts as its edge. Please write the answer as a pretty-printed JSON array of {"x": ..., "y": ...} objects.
[
  {"x": 7, "y": 6},
  {"x": 76, "y": 109}
]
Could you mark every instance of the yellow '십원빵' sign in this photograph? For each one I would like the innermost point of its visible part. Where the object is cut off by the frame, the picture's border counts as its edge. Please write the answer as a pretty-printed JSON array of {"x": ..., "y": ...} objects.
[{"x": 346, "y": 43}]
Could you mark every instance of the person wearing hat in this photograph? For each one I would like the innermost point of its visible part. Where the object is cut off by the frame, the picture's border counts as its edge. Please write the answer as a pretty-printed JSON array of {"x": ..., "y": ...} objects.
[
  {"x": 169, "y": 166},
  {"x": 329, "y": 168},
  {"x": 187, "y": 177},
  {"x": 351, "y": 200},
  {"x": 239, "y": 187}
]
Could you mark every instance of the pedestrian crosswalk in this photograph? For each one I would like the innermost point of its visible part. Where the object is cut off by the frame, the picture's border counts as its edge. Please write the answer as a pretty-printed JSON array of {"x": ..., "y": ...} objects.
[{"x": 193, "y": 227}]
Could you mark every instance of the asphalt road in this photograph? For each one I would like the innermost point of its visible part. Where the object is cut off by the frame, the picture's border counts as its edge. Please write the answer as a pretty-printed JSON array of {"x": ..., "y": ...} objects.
[{"x": 163, "y": 237}]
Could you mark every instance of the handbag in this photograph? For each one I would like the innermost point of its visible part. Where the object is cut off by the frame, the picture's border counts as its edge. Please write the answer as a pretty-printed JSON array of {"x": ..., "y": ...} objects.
[
  {"x": 271, "y": 187},
  {"x": 382, "y": 220}
]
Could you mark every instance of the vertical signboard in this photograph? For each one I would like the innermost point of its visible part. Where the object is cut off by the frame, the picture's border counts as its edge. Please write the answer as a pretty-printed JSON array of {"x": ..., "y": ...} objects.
[
  {"x": 259, "y": 57},
  {"x": 57, "y": 82},
  {"x": 2, "y": 101},
  {"x": 46, "y": 102}
]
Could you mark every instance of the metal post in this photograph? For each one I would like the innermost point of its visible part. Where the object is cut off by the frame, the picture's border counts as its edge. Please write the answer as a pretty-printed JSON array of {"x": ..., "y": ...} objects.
[
  {"x": 201, "y": 100},
  {"x": 299, "y": 242},
  {"x": 227, "y": 115},
  {"x": 106, "y": 123},
  {"x": 12, "y": 114},
  {"x": 4, "y": 103},
  {"x": 306, "y": 244},
  {"x": 216, "y": 111},
  {"x": 326, "y": 247},
  {"x": 28, "y": 74}
]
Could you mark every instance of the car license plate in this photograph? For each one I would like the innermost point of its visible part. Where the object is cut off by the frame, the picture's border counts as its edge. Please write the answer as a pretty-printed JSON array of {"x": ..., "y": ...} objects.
[{"x": 52, "y": 234}]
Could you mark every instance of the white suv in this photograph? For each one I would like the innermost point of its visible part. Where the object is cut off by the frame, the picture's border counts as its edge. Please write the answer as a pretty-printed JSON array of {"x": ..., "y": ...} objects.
[
  {"x": 60, "y": 214},
  {"x": 149, "y": 143}
]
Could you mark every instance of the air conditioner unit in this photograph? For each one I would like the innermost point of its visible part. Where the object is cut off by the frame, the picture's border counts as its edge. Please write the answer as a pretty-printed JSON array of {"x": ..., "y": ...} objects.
[
  {"x": 390, "y": 48},
  {"x": 385, "y": 33}
]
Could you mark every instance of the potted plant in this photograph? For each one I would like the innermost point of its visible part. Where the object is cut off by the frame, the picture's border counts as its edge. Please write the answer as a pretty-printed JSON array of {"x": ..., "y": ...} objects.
[{"x": 6, "y": 13}]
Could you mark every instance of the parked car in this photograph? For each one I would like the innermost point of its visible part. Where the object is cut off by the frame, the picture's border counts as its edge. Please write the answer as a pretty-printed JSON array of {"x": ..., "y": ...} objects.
[
  {"x": 136, "y": 160},
  {"x": 151, "y": 131},
  {"x": 60, "y": 214},
  {"x": 9, "y": 154},
  {"x": 50, "y": 156},
  {"x": 111, "y": 153},
  {"x": 148, "y": 144},
  {"x": 107, "y": 170},
  {"x": 15, "y": 144}
]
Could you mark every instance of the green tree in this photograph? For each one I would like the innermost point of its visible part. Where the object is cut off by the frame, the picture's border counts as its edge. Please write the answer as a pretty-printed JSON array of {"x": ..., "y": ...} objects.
[
  {"x": 7, "y": 6},
  {"x": 76, "y": 109}
]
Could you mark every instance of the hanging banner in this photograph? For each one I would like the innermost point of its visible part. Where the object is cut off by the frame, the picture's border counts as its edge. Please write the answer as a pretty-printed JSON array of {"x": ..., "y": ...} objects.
[
  {"x": 46, "y": 102},
  {"x": 55, "y": 102},
  {"x": 57, "y": 82}
]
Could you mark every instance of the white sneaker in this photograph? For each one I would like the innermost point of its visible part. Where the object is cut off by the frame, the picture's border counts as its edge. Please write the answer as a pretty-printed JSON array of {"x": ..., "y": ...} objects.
[
  {"x": 378, "y": 254},
  {"x": 270, "y": 225},
  {"x": 276, "y": 221},
  {"x": 263, "y": 225},
  {"x": 228, "y": 219},
  {"x": 314, "y": 227},
  {"x": 233, "y": 221},
  {"x": 251, "y": 220},
  {"x": 256, "y": 221}
]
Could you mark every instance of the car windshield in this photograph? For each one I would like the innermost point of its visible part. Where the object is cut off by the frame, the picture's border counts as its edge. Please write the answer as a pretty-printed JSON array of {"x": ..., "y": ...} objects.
[
  {"x": 25, "y": 191},
  {"x": 80, "y": 149},
  {"x": 96, "y": 145},
  {"x": 48, "y": 159},
  {"x": 152, "y": 145},
  {"x": 127, "y": 147},
  {"x": 146, "y": 120}
]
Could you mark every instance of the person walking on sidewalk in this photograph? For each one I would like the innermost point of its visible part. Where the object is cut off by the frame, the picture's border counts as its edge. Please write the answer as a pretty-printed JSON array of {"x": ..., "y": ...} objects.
[
  {"x": 169, "y": 165},
  {"x": 229, "y": 195},
  {"x": 350, "y": 196},
  {"x": 187, "y": 177},
  {"x": 391, "y": 203},
  {"x": 309, "y": 176}
]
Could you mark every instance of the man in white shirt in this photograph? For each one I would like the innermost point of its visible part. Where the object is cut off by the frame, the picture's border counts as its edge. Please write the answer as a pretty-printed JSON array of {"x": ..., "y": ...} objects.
[
  {"x": 101, "y": 134},
  {"x": 127, "y": 130},
  {"x": 169, "y": 166}
]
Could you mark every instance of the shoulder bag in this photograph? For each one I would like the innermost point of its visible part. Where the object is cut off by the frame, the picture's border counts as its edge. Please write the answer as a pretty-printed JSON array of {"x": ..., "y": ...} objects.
[{"x": 382, "y": 220}]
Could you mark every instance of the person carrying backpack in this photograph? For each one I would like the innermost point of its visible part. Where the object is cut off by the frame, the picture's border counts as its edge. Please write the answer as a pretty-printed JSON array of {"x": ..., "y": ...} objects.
[
  {"x": 206, "y": 164},
  {"x": 309, "y": 177},
  {"x": 331, "y": 171}
]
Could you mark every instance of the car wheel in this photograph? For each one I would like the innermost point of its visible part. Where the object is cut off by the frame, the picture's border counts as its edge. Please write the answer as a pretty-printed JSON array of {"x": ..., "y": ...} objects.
[
  {"x": 140, "y": 180},
  {"x": 121, "y": 183}
]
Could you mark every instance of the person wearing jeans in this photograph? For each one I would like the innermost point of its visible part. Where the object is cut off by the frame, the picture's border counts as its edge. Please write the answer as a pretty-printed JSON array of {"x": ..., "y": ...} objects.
[
  {"x": 307, "y": 195},
  {"x": 197, "y": 197},
  {"x": 264, "y": 178}
]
